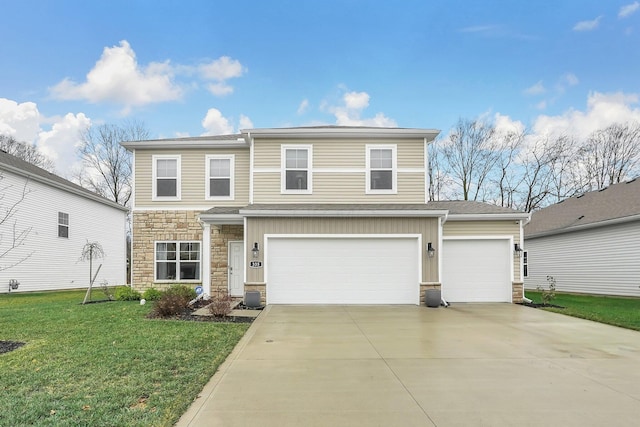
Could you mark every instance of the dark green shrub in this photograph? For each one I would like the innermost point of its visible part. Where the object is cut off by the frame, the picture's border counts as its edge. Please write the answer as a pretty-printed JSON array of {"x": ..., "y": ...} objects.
[
  {"x": 169, "y": 304},
  {"x": 152, "y": 294},
  {"x": 182, "y": 290},
  {"x": 126, "y": 293}
]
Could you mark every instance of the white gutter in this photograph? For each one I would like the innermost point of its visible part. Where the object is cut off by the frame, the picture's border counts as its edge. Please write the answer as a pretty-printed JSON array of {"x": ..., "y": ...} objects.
[
  {"x": 338, "y": 213},
  {"x": 489, "y": 217},
  {"x": 604, "y": 223}
]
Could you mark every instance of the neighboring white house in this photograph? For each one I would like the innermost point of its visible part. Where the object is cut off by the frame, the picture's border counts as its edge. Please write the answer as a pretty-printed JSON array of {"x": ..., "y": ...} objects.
[
  {"x": 49, "y": 220},
  {"x": 589, "y": 243}
]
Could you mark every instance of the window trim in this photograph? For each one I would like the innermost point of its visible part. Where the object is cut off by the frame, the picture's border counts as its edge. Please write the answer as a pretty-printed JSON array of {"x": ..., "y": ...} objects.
[
  {"x": 394, "y": 168},
  {"x": 207, "y": 184},
  {"x": 283, "y": 168},
  {"x": 61, "y": 224},
  {"x": 154, "y": 183},
  {"x": 177, "y": 262}
]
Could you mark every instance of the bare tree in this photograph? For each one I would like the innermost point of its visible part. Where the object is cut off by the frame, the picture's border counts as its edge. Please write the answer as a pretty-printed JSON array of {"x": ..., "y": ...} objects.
[
  {"x": 11, "y": 236},
  {"x": 611, "y": 155},
  {"x": 506, "y": 175},
  {"x": 107, "y": 165},
  {"x": 470, "y": 154},
  {"x": 25, "y": 151}
]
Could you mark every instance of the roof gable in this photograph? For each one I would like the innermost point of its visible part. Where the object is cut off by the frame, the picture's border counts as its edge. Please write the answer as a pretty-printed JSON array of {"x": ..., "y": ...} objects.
[{"x": 616, "y": 202}]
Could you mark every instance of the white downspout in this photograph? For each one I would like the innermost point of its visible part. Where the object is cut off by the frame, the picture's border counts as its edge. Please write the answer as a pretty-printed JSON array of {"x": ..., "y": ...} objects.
[{"x": 206, "y": 259}]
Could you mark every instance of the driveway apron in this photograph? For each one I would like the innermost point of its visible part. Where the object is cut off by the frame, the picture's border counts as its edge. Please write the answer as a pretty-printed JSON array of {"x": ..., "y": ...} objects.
[{"x": 466, "y": 365}]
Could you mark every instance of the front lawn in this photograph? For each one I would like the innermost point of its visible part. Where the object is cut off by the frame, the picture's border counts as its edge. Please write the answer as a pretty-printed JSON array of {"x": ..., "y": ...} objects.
[
  {"x": 617, "y": 311},
  {"x": 102, "y": 364}
]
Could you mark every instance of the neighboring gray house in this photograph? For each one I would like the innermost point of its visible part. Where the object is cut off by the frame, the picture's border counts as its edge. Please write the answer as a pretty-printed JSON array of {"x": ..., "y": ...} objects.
[
  {"x": 589, "y": 243},
  {"x": 56, "y": 218}
]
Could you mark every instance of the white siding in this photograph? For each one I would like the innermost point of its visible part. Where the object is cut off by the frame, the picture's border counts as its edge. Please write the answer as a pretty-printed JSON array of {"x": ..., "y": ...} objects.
[
  {"x": 597, "y": 261},
  {"x": 54, "y": 262}
]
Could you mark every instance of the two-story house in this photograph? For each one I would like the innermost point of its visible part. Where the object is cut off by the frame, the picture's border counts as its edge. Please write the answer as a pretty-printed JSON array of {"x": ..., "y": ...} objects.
[{"x": 323, "y": 215}]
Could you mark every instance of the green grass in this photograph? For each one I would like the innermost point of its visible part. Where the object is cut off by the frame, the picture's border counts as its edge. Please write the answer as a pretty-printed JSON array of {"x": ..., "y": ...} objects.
[
  {"x": 102, "y": 364},
  {"x": 617, "y": 311}
]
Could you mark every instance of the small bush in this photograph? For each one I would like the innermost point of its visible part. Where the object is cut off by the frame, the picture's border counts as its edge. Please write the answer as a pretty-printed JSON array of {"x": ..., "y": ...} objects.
[
  {"x": 185, "y": 291},
  {"x": 126, "y": 293},
  {"x": 548, "y": 295},
  {"x": 152, "y": 294},
  {"x": 169, "y": 305},
  {"x": 220, "y": 304}
]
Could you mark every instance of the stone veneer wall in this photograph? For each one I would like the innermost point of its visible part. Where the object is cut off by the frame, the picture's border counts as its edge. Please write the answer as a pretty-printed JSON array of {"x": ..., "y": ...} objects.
[
  {"x": 517, "y": 292},
  {"x": 220, "y": 238},
  {"x": 152, "y": 226}
]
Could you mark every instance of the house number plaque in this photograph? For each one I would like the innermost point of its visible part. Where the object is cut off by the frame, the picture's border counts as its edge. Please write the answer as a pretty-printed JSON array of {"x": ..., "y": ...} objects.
[{"x": 255, "y": 264}]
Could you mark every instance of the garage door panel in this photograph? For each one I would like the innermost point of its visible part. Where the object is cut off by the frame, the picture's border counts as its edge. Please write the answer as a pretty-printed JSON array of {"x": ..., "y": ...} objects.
[
  {"x": 476, "y": 270},
  {"x": 342, "y": 271}
]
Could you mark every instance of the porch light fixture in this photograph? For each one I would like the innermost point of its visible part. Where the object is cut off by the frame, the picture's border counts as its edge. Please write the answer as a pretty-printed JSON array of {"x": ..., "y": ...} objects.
[
  {"x": 430, "y": 250},
  {"x": 255, "y": 250},
  {"x": 517, "y": 250}
]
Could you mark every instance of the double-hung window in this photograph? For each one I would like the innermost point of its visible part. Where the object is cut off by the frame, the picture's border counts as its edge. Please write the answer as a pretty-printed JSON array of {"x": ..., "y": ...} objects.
[
  {"x": 381, "y": 169},
  {"x": 179, "y": 261},
  {"x": 166, "y": 177},
  {"x": 220, "y": 174},
  {"x": 296, "y": 169},
  {"x": 63, "y": 225}
]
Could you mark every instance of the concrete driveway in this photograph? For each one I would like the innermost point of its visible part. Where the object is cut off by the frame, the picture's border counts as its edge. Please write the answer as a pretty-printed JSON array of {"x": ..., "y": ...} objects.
[{"x": 466, "y": 365}]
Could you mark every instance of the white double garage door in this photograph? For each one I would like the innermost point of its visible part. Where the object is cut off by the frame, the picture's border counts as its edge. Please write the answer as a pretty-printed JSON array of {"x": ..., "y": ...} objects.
[{"x": 348, "y": 269}]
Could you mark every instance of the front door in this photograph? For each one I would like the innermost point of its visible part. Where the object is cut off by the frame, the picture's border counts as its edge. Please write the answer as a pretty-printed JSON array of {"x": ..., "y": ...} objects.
[{"x": 236, "y": 269}]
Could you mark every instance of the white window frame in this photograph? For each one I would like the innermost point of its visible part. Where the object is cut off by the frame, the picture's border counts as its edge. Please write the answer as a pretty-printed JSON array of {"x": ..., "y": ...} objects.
[
  {"x": 207, "y": 184},
  {"x": 63, "y": 224},
  {"x": 154, "y": 184},
  {"x": 394, "y": 168},
  {"x": 177, "y": 262},
  {"x": 283, "y": 169}
]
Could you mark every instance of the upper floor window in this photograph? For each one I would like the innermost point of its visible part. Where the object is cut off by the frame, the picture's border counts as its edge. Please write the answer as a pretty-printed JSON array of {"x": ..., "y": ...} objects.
[
  {"x": 220, "y": 174},
  {"x": 296, "y": 169},
  {"x": 63, "y": 224},
  {"x": 381, "y": 169},
  {"x": 166, "y": 177}
]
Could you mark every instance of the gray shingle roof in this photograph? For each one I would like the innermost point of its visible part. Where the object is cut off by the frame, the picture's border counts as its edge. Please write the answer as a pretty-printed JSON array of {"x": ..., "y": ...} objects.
[
  {"x": 26, "y": 169},
  {"x": 616, "y": 202}
]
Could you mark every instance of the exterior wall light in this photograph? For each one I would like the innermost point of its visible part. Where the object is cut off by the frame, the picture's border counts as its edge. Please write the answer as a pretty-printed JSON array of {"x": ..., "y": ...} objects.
[
  {"x": 255, "y": 250},
  {"x": 517, "y": 250},
  {"x": 430, "y": 250}
]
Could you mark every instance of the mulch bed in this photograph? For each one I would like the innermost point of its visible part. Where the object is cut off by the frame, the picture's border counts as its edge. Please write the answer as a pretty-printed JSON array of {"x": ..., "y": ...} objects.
[
  {"x": 540, "y": 305},
  {"x": 188, "y": 315},
  {"x": 7, "y": 346}
]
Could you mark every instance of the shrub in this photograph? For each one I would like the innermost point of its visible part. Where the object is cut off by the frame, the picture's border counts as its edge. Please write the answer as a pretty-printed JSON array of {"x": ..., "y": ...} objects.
[
  {"x": 126, "y": 293},
  {"x": 185, "y": 291},
  {"x": 220, "y": 304},
  {"x": 548, "y": 295},
  {"x": 169, "y": 305},
  {"x": 152, "y": 294}
]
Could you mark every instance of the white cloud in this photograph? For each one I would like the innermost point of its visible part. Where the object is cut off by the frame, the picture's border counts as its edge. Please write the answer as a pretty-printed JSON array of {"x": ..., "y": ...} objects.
[
  {"x": 536, "y": 89},
  {"x": 245, "y": 122},
  {"x": 117, "y": 77},
  {"x": 601, "y": 111},
  {"x": 19, "y": 120},
  {"x": 570, "y": 79},
  {"x": 303, "y": 107},
  {"x": 587, "y": 25},
  {"x": 349, "y": 114},
  {"x": 56, "y": 137},
  {"x": 541, "y": 105},
  {"x": 215, "y": 123},
  {"x": 220, "y": 70},
  {"x": 628, "y": 9},
  {"x": 61, "y": 142}
]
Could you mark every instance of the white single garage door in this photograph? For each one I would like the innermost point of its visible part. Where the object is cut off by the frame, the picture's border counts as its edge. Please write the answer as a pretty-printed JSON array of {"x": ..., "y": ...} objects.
[
  {"x": 476, "y": 270},
  {"x": 342, "y": 270}
]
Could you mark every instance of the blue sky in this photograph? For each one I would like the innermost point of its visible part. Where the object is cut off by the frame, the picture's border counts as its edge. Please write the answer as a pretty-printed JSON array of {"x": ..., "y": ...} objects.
[{"x": 190, "y": 68}]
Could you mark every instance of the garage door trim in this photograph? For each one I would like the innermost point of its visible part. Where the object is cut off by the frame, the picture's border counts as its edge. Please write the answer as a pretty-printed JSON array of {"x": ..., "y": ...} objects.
[{"x": 417, "y": 238}]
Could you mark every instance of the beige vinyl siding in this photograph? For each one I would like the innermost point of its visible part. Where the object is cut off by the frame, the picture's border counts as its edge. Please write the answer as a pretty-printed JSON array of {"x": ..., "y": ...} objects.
[
  {"x": 192, "y": 177},
  {"x": 427, "y": 227},
  {"x": 487, "y": 228},
  {"x": 341, "y": 153},
  {"x": 334, "y": 185},
  {"x": 339, "y": 188}
]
